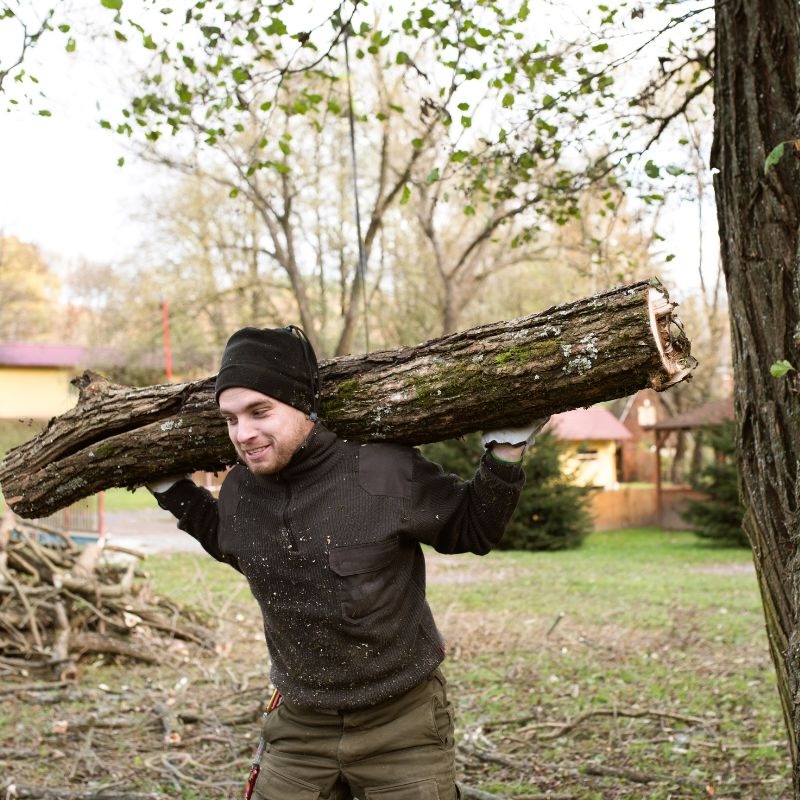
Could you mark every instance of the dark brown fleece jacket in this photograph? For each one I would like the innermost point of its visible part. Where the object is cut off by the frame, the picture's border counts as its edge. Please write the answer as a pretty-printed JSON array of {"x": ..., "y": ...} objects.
[{"x": 331, "y": 549}]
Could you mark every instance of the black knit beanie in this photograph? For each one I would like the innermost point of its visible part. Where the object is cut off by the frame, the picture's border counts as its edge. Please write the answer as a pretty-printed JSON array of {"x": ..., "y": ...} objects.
[{"x": 278, "y": 362}]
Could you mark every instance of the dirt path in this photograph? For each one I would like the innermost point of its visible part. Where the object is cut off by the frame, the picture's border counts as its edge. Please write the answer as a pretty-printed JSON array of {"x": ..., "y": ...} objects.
[{"x": 148, "y": 531}]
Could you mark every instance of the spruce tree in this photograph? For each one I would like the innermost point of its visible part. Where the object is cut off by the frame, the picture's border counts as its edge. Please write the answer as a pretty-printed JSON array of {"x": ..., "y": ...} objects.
[
  {"x": 718, "y": 516},
  {"x": 552, "y": 513}
]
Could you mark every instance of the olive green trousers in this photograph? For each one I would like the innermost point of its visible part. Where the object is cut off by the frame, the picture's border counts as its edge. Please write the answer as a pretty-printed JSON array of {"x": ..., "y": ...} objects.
[{"x": 402, "y": 749}]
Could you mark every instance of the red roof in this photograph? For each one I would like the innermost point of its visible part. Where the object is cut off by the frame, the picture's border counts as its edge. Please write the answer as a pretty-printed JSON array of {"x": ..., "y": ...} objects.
[
  {"x": 42, "y": 355},
  {"x": 588, "y": 424}
]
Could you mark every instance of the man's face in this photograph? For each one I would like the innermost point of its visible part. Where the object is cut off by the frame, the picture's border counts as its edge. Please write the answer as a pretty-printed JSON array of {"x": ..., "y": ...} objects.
[{"x": 265, "y": 432}]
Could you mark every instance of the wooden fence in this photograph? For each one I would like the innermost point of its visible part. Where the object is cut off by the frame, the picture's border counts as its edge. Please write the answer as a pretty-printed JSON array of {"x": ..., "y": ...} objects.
[
  {"x": 85, "y": 516},
  {"x": 638, "y": 506}
]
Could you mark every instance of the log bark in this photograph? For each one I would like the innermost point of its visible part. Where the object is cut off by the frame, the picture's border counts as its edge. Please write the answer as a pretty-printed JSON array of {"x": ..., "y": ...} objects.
[
  {"x": 84, "y": 642},
  {"x": 598, "y": 348}
]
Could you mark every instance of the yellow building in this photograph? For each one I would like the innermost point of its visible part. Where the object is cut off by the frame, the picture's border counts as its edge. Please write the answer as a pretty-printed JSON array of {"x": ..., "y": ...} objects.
[
  {"x": 591, "y": 439},
  {"x": 35, "y": 379}
]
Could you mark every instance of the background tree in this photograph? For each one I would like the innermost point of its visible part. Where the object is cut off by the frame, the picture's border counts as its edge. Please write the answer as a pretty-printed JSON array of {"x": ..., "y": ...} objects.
[
  {"x": 28, "y": 292},
  {"x": 22, "y": 25},
  {"x": 459, "y": 111},
  {"x": 396, "y": 155},
  {"x": 465, "y": 123}
]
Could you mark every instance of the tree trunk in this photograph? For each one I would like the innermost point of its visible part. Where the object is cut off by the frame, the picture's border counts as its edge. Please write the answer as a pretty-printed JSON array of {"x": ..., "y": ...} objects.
[
  {"x": 756, "y": 101},
  {"x": 606, "y": 346}
]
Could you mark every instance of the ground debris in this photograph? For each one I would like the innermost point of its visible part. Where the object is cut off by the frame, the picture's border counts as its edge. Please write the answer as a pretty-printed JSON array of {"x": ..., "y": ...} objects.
[
  {"x": 14, "y": 791},
  {"x": 698, "y": 722},
  {"x": 61, "y": 603}
]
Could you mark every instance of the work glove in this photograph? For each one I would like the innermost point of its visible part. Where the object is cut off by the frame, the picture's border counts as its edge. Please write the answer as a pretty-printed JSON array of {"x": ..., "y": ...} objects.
[
  {"x": 515, "y": 437},
  {"x": 164, "y": 484}
]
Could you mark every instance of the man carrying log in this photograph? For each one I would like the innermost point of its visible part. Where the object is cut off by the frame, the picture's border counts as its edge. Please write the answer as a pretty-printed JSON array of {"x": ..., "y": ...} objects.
[{"x": 327, "y": 532}]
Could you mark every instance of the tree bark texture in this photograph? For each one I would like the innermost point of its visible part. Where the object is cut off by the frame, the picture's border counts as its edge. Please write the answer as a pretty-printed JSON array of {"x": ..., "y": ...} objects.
[
  {"x": 756, "y": 102},
  {"x": 606, "y": 346}
]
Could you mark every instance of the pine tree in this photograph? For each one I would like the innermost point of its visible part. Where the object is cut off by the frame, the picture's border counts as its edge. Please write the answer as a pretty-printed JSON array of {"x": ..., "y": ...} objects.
[
  {"x": 552, "y": 513},
  {"x": 719, "y": 515}
]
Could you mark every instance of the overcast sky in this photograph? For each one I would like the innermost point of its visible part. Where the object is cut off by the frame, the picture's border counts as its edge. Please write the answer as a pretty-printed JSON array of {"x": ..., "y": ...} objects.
[{"x": 61, "y": 186}]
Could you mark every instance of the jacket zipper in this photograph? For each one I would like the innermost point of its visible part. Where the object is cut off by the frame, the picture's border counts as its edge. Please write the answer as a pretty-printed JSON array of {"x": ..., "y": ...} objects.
[{"x": 286, "y": 529}]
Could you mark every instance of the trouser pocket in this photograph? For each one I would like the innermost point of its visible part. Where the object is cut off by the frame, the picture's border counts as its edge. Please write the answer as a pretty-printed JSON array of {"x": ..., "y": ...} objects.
[
  {"x": 274, "y": 785},
  {"x": 443, "y": 724},
  {"x": 410, "y": 790}
]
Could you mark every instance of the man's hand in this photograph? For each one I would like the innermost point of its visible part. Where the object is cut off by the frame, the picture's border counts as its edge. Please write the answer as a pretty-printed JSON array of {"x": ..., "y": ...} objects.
[
  {"x": 164, "y": 484},
  {"x": 509, "y": 444}
]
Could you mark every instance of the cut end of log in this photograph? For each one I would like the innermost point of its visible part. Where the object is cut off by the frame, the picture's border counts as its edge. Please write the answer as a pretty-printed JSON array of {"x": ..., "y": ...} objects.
[{"x": 673, "y": 346}]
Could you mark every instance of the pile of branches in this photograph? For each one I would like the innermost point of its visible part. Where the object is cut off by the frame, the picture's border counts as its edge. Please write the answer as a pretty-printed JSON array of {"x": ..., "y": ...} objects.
[{"x": 60, "y": 603}]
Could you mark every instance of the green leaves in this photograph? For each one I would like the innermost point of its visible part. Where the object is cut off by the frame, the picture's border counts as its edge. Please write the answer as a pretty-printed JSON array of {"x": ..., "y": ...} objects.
[
  {"x": 780, "y": 369},
  {"x": 652, "y": 169},
  {"x": 240, "y": 74},
  {"x": 114, "y": 5},
  {"x": 774, "y": 157},
  {"x": 778, "y": 152}
]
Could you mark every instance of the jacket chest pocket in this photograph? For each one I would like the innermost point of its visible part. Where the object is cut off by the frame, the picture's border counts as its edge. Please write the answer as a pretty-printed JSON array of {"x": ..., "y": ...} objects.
[{"x": 365, "y": 576}]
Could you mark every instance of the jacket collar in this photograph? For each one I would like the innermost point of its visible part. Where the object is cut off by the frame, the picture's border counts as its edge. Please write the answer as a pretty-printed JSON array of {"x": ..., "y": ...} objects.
[{"x": 315, "y": 455}]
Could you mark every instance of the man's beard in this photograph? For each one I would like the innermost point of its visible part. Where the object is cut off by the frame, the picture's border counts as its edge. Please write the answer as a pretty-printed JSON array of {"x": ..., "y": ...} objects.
[{"x": 279, "y": 458}]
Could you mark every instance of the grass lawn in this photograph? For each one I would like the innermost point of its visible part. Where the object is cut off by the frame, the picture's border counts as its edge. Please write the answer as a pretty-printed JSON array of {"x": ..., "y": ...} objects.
[
  {"x": 651, "y": 643},
  {"x": 634, "y": 667},
  {"x": 14, "y": 432},
  {"x": 125, "y": 500}
]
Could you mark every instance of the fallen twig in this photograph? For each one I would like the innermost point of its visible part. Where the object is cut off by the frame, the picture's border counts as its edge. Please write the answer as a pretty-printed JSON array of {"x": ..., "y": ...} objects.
[
  {"x": 609, "y": 712},
  {"x": 640, "y": 777},
  {"x": 492, "y": 758},
  {"x": 32, "y": 687},
  {"x": 468, "y": 793},
  {"x": 16, "y": 790}
]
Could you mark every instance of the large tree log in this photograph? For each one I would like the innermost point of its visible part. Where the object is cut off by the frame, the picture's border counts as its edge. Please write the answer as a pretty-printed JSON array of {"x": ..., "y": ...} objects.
[{"x": 599, "y": 348}]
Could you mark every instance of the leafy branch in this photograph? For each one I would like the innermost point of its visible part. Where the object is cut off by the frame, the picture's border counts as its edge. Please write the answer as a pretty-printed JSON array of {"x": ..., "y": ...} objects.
[{"x": 29, "y": 38}]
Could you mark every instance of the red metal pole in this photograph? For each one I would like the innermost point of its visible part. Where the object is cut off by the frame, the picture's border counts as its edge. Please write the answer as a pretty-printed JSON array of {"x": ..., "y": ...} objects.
[
  {"x": 101, "y": 515},
  {"x": 167, "y": 350}
]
